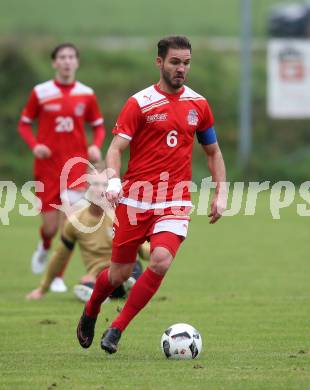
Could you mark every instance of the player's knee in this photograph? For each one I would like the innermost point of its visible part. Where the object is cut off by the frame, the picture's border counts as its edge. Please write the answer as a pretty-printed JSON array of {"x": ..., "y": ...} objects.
[
  {"x": 50, "y": 231},
  {"x": 160, "y": 261},
  {"x": 118, "y": 276}
]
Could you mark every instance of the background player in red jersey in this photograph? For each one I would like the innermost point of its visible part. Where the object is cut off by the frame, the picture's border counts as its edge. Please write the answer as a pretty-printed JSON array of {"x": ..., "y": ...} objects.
[
  {"x": 159, "y": 123},
  {"x": 61, "y": 107}
]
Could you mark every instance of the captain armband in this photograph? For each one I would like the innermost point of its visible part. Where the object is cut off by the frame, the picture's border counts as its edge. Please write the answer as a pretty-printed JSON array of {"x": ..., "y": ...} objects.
[
  {"x": 68, "y": 244},
  {"x": 207, "y": 137}
]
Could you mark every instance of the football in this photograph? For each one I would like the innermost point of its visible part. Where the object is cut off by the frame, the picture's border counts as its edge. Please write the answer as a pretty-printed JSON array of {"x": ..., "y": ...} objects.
[{"x": 181, "y": 342}]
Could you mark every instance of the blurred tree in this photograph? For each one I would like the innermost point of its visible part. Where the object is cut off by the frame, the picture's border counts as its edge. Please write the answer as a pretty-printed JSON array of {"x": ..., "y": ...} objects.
[{"x": 17, "y": 77}]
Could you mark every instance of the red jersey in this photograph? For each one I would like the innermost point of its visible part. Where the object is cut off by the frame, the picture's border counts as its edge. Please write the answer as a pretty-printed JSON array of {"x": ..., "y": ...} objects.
[
  {"x": 61, "y": 111},
  {"x": 161, "y": 128}
]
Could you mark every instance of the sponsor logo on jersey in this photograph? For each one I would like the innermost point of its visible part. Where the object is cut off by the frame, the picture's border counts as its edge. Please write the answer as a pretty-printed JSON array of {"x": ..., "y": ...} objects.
[
  {"x": 157, "y": 118},
  {"x": 79, "y": 109},
  {"x": 147, "y": 99},
  {"x": 52, "y": 107},
  {"x": 192, "y": 117}
]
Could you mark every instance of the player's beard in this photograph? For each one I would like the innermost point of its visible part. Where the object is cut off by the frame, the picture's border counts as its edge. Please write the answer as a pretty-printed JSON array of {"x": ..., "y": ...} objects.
[{"x": 171, "y": 81}]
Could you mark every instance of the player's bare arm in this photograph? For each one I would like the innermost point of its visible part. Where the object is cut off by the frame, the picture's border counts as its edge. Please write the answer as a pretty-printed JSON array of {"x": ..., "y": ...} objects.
[
  {"x": 114, "y": 161},
  {"x": 217, "y": 168},
  {"x": 61, "y": 256}
]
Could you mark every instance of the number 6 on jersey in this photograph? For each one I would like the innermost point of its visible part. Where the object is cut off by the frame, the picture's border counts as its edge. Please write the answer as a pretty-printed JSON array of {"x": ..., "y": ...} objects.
[{"x": 172, "y": 140}]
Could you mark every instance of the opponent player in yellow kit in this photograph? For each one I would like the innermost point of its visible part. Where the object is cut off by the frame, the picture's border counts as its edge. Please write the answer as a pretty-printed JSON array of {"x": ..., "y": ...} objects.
[{"x": 91, "y": 227}]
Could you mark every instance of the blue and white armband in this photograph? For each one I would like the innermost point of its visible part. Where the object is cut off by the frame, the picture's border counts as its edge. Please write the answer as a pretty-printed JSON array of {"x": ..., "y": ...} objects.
[{"x": 207, "y": 137}]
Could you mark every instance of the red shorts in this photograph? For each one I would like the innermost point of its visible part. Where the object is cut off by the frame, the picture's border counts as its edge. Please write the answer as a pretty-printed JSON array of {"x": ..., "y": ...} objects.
[
  {"x": 49, "y": 195},
  {"x": 49, "y": 175},
  {"x": 128, "y": 235}
]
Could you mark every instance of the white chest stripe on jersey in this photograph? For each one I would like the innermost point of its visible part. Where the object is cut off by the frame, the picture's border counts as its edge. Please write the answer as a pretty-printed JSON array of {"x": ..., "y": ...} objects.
[
  {"x": 148, "y": 108},
  {"x": 183, "y": 99},
  {"x": 46, "y": 100},
  {"x": 155, "y": 206}
]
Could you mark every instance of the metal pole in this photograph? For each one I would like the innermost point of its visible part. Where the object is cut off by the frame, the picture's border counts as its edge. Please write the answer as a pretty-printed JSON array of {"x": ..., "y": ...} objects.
[{"x": 245, "y": 133}]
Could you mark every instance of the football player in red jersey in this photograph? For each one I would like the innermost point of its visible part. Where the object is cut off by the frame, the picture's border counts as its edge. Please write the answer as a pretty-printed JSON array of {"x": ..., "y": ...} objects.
[
  {"x": 61, "y": 107},
  {"x": 159, "y": 123}
]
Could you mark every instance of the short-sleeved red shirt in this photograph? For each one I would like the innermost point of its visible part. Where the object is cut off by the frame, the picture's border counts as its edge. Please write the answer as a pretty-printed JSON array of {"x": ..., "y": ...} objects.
[{"x": 161, "y": 129}]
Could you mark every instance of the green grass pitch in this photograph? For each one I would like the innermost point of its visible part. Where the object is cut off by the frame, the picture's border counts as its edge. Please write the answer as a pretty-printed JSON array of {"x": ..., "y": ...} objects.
[{"x": 244, "y": 283}]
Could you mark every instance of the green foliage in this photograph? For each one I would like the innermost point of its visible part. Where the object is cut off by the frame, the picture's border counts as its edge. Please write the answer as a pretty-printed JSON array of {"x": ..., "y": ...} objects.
[
  {"x": 17, "y": 77},
  {"x": 117, "y": 74},
  {"x": 119, "y": 18}
]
